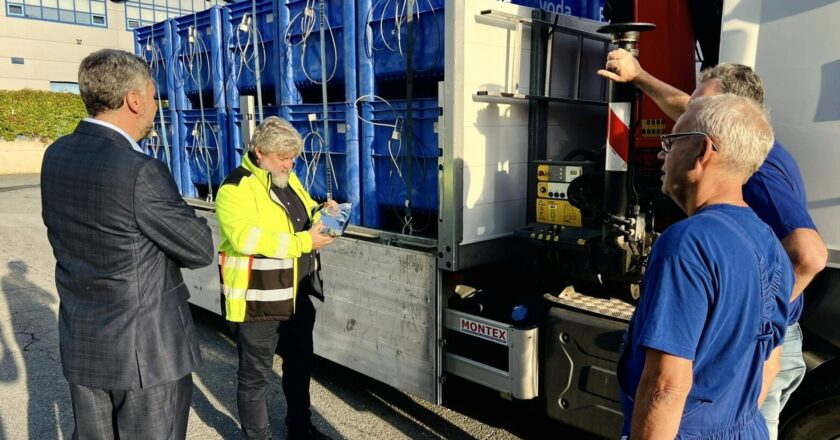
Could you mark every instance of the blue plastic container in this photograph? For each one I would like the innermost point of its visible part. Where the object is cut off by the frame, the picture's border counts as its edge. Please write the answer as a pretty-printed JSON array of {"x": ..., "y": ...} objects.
[
  {"x": 203, "y": 143},
  {"x": 243, "y": 46},
  {"x": 425, "y": 115},
  {"x": 153, "y": 44},
  {"x": 392, "y": 186},
  {"x": 387, "y": 36},
  {"x": 155, "y": 147},
  {"x": 304, "y": 52},
  {"x": 390, "y": 161},
  {"x": 314, "y": 175},
  {"x": 198, "y": 64}
]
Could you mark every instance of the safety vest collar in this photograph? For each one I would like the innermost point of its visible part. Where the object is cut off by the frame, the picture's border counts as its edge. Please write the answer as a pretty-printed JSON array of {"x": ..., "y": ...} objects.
[
  {"x": 264, "y": 177},
  {"x": 260, "y": 174}
]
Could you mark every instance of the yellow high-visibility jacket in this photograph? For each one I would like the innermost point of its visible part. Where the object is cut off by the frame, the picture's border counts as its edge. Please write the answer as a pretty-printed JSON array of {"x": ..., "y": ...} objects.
[{"x": 259, "y": 248}]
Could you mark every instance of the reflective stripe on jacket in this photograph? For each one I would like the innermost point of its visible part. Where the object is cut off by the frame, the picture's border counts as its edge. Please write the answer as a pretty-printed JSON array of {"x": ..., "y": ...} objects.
[{"x": 259, "y": 248}]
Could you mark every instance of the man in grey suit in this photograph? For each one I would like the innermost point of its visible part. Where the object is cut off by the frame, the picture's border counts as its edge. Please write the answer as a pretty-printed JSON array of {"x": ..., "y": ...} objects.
[{"x": 120, "y": 233}]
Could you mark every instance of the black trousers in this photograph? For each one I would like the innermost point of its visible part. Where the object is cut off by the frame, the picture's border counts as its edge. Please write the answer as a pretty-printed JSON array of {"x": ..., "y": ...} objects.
[
  {"x": 158, "y": 412},
  {"x": 256, "y": 343}
]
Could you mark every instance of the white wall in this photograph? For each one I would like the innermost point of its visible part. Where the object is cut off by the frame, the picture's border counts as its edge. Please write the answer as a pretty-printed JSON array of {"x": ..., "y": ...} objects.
[
  {"x": 793, "y": 45},
  {"x": 52, "y": 51}
]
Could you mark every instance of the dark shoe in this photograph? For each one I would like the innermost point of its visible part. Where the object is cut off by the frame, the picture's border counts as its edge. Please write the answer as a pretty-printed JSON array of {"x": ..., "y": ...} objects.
[{"x": 308, "y": 434}]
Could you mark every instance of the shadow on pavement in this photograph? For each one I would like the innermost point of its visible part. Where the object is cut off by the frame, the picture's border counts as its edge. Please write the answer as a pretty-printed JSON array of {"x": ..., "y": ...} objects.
[
  {"x": 523, "y": 419},
  {"x": 218, "y": 375},
  {"x": 35, "y": 330},
  {"x": 216, "y": 403},
  {"x": 391, "y": 405}
]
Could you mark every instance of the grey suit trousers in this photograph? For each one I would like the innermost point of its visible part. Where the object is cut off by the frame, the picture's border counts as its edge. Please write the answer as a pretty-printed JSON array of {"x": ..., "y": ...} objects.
[{"x": 158, "y": 412}]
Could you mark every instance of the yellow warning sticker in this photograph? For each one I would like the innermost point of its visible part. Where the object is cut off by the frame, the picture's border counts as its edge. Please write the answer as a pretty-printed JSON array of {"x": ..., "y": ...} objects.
[{"x": 558, "y": 212}]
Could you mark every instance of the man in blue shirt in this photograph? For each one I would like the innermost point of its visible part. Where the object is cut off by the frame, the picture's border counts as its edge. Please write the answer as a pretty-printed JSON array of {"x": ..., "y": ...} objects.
[
  {"x": 715, "y": 296},
  {"x": 775, "y": 192}
]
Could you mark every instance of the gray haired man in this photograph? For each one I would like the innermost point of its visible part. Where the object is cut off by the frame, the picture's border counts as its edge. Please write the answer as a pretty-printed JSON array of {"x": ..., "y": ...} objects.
[
  {"x": 269, "y": 267},
  {"x": 121, "y": 233},
  {"x": 717, "y": 287},
  {"x": 775, "y": 192}
]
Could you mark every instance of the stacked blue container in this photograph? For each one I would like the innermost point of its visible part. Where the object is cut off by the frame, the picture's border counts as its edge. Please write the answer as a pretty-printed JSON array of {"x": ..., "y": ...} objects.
[
  {"x": 387, "y": 34},
  {"x": 301, "y": 35},
  {"x": 398, "y": 185},
  {"x": 317, "y": 159},
  {"x": 391, "y": 161},
  {"x": 154, "y": 44},
  {"x": 328, "y": 169},
  {"x": 203, "y": 138},
  {"x": 198, "y": 60},
  {"x": 250, "y": 43},
  {"x": 161, "y": 140}
]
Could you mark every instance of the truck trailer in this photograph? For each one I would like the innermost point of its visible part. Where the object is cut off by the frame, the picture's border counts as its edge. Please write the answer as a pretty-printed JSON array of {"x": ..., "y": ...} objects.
[{"x": 524, "y": 271}]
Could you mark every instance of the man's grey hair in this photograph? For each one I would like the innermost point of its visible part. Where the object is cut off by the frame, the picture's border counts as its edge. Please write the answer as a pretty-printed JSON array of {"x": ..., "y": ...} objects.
[
  {"x": 276, "y": 135},
  {"x": 738, "y": 126},
  {"x": 107, "y": 75},
  {"x": 737, "y": 79}
]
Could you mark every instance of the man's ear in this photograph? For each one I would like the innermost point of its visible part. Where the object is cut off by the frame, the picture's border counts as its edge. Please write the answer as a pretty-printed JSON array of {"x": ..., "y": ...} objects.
[
  {"x": 705, "y": 156},
  {"x": 134, "y": 101}
]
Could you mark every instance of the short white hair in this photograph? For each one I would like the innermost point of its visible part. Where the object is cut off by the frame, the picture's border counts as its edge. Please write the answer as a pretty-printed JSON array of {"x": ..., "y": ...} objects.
[
  {"x": 738, "y": 126},
  {"x": 276, "y": 135}
]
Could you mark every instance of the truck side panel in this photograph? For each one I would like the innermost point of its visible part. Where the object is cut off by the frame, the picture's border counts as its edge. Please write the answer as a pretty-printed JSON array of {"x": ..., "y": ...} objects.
[{"x": 380, "y": 315}]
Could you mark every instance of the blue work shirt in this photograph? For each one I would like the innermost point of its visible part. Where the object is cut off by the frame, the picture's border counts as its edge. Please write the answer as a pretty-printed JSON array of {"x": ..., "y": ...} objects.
[
  {"x": 776, "y": 193},
  {"x": 716, "y": 292}
]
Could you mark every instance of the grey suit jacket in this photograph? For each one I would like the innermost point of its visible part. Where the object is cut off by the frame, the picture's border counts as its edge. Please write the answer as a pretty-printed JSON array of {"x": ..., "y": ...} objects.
[{"x": 120, "y": 233}]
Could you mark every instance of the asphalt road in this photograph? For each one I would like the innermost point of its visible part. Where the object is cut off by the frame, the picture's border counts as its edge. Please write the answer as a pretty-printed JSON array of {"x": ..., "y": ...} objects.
[{"x": 35, "y": 401}]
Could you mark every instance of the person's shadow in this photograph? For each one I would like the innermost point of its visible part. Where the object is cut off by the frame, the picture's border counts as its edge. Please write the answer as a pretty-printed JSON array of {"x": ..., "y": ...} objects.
[
  {"x": 33, "y": 352},
  {"x": 215, "y": 401}
]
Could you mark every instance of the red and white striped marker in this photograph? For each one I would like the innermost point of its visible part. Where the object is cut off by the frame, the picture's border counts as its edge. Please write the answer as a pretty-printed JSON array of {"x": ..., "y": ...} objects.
[{"x": 618, "y": 136}]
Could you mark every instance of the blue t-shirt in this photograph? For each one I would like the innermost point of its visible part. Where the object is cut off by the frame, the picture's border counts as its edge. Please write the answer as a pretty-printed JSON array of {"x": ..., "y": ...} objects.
[
  {"x": 777, "y": 195},
  {"x": 716, "y": 292}
]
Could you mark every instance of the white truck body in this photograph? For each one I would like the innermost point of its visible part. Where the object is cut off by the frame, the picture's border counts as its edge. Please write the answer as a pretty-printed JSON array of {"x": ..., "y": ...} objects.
[{"x": 384, "y": 315}]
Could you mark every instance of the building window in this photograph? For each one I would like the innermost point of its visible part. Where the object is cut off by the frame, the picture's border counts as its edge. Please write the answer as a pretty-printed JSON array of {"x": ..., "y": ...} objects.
[
  {"x": 63, "y": 86},
  {"x": 139, "y": 13},
  {"x": 13, "y": 9},
  {"x": 85, "y": 12}
]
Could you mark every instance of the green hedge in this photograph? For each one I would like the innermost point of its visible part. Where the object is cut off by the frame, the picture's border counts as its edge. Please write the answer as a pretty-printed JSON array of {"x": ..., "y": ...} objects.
[{"x": 38, "y": 114}]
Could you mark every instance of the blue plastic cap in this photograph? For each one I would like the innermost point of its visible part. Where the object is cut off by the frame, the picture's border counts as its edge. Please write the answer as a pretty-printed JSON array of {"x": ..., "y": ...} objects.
[{"x": 519, "y": 313}]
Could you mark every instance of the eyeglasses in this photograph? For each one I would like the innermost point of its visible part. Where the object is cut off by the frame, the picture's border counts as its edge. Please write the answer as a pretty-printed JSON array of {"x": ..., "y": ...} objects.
[{"x": 668, "y": 139}]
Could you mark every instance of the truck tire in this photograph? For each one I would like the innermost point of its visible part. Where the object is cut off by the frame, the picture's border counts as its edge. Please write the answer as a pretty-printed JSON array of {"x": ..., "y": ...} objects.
[{"x": 819, "y": 420}]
